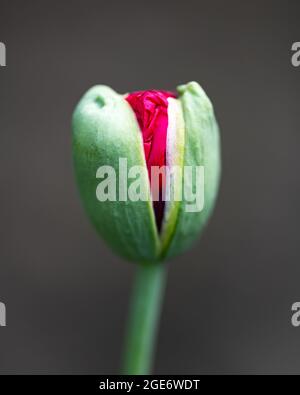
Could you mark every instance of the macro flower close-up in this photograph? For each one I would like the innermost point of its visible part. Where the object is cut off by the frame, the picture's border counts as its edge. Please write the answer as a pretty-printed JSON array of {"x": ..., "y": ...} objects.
[
  {"x": 150, "y": 202},
  {"x": 171, "y": 142}
]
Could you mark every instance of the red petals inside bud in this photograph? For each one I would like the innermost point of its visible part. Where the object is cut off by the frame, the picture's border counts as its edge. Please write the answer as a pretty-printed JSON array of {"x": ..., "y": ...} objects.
[{"x": 151, "y": 110}]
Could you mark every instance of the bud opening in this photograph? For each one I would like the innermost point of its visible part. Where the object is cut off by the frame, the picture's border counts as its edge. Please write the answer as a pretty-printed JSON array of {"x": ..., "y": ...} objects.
[{"x": 151, "y": 110}]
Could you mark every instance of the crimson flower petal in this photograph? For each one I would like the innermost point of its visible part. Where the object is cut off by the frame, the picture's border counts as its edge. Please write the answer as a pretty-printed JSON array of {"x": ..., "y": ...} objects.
[{"x": 151, "y": 110}]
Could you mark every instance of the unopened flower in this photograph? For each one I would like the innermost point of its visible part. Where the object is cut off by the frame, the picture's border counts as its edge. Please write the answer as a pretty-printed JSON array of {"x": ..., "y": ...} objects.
[{"x": 151, "y": 130}]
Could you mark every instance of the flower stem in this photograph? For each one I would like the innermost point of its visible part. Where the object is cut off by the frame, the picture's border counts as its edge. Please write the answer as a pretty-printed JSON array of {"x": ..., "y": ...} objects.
[{"x": 143, "y": 318}]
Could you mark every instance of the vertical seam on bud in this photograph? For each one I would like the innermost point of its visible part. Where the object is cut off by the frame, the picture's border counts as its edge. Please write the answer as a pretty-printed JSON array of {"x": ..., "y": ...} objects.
[{"x": 151, "y": 110}]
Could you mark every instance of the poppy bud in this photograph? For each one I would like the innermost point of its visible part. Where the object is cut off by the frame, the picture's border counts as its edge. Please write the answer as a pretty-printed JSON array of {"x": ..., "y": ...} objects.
[{"x": 119, "y": 139}]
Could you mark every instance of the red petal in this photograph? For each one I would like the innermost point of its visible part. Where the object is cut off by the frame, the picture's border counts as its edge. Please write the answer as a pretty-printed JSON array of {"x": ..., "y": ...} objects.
[{"x": 151, "y": 110}]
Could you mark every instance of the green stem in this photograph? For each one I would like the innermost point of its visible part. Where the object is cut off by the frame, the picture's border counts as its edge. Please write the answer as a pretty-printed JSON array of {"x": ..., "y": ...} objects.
[{"x": 143, "y": 318}]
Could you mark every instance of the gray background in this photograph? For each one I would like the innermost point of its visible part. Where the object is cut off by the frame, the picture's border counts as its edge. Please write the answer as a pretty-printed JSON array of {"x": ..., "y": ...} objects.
[{"x": 228, "y": 301}]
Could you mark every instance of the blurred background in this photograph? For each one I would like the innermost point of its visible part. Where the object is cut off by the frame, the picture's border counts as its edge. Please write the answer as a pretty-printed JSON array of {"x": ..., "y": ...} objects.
[{"x": 228, "y": 300}]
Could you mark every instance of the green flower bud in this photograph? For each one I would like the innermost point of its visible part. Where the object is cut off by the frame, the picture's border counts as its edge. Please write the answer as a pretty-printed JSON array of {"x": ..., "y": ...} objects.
[{"x": 105, "y": 131}]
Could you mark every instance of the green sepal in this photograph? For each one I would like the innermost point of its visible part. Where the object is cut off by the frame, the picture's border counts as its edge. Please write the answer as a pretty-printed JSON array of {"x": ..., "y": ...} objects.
[
  {"x": 202, "y": 148},
  {"x": 105, "y": 129}
]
